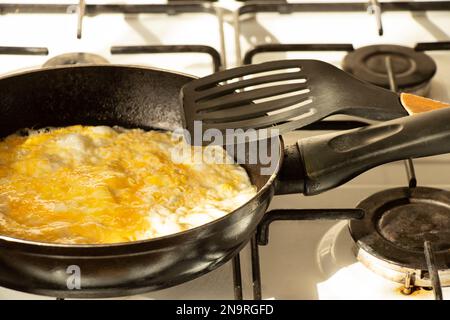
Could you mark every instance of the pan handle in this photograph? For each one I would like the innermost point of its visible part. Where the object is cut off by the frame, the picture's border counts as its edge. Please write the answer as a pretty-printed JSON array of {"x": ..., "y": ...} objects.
[{"x": 328, "y": 161}]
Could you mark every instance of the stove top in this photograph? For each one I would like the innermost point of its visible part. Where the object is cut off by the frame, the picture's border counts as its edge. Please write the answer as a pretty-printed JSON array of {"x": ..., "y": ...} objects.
[{"x": 303, "y": 259}]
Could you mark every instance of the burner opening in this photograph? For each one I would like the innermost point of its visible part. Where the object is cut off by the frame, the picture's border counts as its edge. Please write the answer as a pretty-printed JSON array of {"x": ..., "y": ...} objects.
[
  {"x": 75, "y": 58},
  {"x": 390, "y": 238},
  {"x": 407, "y": 223},
  {"x": 412, "y": 69},
  {"x": 401, "y": 64},
  {"x": 71, "y": 62}
]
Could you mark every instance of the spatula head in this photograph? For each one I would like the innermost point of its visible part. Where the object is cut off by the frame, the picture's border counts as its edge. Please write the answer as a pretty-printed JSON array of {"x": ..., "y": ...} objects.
[
  {"x": 265, "y": 99},
  {"x": 249, "y": 97}
]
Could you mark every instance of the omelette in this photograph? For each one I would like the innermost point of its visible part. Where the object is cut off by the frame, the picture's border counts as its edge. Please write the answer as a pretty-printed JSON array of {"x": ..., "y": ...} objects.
[{"x": 100, "y": 184}]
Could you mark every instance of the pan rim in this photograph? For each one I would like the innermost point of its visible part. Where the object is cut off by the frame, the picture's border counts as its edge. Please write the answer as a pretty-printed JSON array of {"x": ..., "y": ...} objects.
[
  {"x": 87, "y": 65},
  {"x": 7, "y": 240}
]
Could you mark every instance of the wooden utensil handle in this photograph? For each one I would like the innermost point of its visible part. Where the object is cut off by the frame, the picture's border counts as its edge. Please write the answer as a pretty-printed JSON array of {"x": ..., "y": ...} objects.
[{"x": 417, "y": 104}]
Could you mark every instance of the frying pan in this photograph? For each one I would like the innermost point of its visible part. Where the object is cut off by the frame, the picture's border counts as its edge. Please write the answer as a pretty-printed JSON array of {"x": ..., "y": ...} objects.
[{"x": 148, "y": 98}]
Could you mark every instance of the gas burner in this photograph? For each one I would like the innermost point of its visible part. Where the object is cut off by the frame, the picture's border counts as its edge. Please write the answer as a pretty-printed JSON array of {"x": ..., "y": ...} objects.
[
  {"x": 390, "y": 239},
  {"x": 412, "y": 70},
  {"x": 75, "y": 58}
]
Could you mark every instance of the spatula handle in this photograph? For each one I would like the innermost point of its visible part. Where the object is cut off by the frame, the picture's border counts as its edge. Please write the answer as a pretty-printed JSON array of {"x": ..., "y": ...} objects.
[
  {"x": 417, "y": 104},
  {"x": 330, "y": 160}
]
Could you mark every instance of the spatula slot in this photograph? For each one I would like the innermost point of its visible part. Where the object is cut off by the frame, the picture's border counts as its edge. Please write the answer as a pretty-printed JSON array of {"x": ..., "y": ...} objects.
[
  {"x": 250, "y": 111},
  {"x": 265, "y": 81},
  {"x": 277, "y": 83},
  {"x": 245, "y": 97},
  {"x": 276, "y": 98},
  {"x": 232, "y": 76},
  {"x": 274, "y": 72},
  {"x": 297, "y": 105},
  {"x": 264, "y": 121}
]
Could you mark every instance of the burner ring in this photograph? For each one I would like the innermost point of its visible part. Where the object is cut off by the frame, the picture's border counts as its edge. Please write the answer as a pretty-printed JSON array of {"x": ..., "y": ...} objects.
[
  {"x": 399, "y": 220},
  {"x": 412, "y": 68},
  {"x": 75, "y": 58}
]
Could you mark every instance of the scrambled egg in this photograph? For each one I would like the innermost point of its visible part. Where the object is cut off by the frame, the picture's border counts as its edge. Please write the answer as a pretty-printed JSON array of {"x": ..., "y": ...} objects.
[{"x": 97, "y": 184}]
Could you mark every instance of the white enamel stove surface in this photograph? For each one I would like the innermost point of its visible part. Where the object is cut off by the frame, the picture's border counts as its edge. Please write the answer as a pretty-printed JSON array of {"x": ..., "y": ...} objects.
[
  {"x": 304, "y": 260},
  {"x": 57, "y": 32}
]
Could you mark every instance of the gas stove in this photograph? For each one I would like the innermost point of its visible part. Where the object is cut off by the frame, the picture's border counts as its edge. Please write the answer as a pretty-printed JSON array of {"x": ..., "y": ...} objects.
[{"x": 324, "y": 251}]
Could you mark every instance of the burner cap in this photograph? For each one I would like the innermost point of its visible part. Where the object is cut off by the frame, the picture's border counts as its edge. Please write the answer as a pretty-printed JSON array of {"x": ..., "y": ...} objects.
[
  {"x": 412, "y": 68},
  {"x": 75, "y": 58},
  {"x": 398, "y": 221}
]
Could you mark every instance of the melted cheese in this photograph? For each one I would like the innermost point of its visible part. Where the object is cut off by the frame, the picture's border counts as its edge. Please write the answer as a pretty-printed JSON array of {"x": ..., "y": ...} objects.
[{"x": 92, "y": 185}]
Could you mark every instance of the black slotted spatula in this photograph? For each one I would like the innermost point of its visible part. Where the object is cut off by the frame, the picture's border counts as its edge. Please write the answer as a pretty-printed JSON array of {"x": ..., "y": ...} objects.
[{"x": 285, "y": 95}]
